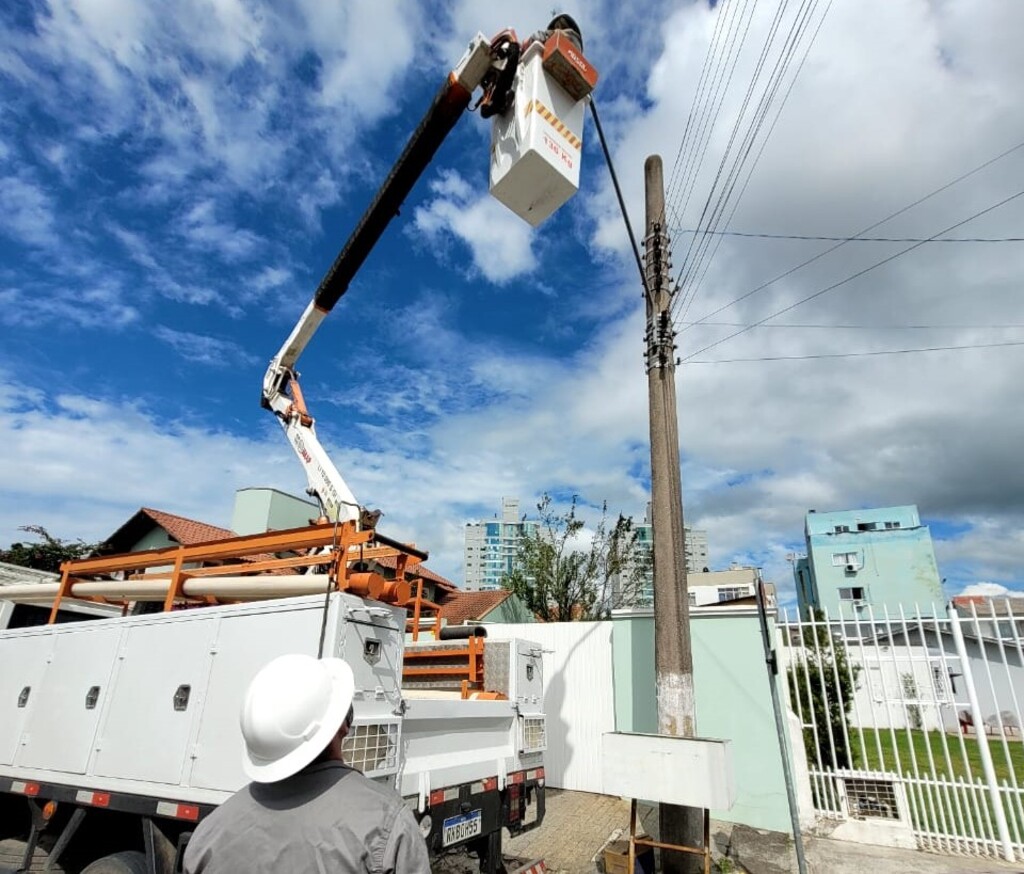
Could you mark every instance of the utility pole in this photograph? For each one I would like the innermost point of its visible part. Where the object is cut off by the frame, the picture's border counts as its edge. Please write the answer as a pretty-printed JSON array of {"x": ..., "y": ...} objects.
[{"x": 683, "y": 826}]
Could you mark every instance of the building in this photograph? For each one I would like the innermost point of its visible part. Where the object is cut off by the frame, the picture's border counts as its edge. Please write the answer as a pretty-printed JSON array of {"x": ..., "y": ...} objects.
[
  {"x": 696, "y": 549},
  {"x": 264, "y": 509},
  {"x": 491, "y": 547},
  {"x": 859, "y": 561},
  {"x": 724, "y": 588},
  {"x": 255, "y": 511},
  {"x": 469, "y": 608}
]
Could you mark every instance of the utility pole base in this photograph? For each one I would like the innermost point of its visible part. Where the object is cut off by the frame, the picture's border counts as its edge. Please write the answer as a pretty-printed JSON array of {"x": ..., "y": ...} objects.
[{"x": 685, "y": 839}]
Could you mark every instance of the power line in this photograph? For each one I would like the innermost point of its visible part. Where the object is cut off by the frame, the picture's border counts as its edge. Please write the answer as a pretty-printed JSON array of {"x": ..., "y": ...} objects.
[
  {"x": 871, "y": 227},
  {"x": 859, "y": 273},
  {"x": 685, "y": 182},
  {"x": 865, "y": 327},
  {"x": 760, "y": 152},
  {"x": 859, "y": 354},
  {"x": 764, "y": 236},
  {"x": 694, "y": 269},
  {"x": 699, "y": 242},
  {"x": 708, "y": 55}
]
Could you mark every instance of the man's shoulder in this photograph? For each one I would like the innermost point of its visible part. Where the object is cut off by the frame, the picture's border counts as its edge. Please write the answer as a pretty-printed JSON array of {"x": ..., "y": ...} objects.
[{"x": 360, "y": 786}]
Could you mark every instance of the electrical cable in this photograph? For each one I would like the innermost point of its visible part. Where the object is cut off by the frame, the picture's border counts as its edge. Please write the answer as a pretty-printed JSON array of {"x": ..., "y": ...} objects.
[
  {"x": 869, "y": 228},
  {"x": 870, "y": 327},
  {"x": 698, "y": 264},
  {"x": 860, "y": 354},
  {"x": 766, "y": 236},
  {"x": 618, "y": 195},
  {"x": 857, "y": 274},
  {"x": 692, "y": 265},
  {"x": 331, "y": 584},
  {"x": 696, "y": 96},
  {"x": 709, "y": 120}
]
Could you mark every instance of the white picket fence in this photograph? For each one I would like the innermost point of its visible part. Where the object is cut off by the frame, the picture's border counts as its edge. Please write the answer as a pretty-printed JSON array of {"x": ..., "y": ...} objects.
[{"x": 912, "y": 723}]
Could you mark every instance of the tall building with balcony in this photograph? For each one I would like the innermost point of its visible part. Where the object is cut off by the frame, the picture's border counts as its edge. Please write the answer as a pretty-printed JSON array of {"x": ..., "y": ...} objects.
[
  {"x": 862, "y": 562},
  {"x": 491, "y": 547},
  {"x": 696, "y": 549}
]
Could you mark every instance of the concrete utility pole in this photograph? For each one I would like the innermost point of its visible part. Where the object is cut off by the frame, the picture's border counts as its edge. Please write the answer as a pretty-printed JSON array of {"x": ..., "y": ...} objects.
[{"x": 672, "y": 651}]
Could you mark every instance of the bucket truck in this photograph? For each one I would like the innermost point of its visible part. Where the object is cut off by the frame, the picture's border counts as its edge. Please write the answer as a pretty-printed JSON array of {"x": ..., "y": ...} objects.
[{"x": 118, "y": 735}]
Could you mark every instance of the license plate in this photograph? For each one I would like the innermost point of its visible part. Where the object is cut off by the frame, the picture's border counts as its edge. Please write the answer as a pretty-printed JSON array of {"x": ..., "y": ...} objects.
[{"x": 459, "y": 828}]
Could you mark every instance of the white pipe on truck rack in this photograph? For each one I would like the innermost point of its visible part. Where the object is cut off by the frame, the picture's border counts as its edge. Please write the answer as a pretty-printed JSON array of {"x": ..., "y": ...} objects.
[{"x": 231, "y": 588}]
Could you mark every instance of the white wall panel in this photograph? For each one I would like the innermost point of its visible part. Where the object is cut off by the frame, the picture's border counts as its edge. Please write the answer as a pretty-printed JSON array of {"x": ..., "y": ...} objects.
[{"x": 578, "y": 697}]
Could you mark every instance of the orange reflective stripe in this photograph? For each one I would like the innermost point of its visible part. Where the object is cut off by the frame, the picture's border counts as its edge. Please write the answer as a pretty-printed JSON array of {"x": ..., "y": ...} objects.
[{"x": 553, "y": 120}]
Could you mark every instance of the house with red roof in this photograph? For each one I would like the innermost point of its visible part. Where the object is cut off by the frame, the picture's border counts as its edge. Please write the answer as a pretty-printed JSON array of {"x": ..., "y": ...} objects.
[
  {"x": 156, "y": 529},
  {"x": 467, "y": 608}
]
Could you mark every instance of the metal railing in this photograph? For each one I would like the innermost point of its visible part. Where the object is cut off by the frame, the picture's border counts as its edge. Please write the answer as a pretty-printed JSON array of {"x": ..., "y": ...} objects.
[{"x": 912, "y": 719}]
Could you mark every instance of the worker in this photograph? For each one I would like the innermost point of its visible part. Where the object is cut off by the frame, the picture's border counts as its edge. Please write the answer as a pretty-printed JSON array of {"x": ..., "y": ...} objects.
[{"x": 305, "y": 810}]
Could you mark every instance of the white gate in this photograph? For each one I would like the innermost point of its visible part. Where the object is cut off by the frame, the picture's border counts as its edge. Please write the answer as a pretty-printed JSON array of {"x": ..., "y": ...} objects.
[
  {"x": 579, "y": 697},
  {"x": 914, "y": 720}
]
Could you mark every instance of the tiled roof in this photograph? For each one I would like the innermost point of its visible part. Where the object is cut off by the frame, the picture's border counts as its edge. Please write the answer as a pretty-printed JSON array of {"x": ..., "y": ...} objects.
[
  {"x": 187, "y": 532},
  {"x": 459, "y": 607},
  {"x": 987, "y": 605}
]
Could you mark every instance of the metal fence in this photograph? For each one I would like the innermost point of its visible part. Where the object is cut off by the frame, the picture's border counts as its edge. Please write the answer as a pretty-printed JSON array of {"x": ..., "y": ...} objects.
[{"x": 912, "y": 722}]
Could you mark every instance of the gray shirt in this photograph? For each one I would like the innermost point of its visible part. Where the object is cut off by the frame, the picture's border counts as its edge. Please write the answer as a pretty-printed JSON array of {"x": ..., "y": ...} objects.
[{"x": 327, "y": 818}]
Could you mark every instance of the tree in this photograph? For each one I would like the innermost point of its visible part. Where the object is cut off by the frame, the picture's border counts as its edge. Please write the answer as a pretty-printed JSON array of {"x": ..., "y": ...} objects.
[
  {"x": 562, "y": 571},
  {"x": 48, "y": 555},
  {"x": 822, "y": 682}
]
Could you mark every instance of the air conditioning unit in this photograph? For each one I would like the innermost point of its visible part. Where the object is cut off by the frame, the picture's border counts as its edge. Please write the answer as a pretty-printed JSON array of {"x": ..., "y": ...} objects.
[{"x": 852, "y": 567}]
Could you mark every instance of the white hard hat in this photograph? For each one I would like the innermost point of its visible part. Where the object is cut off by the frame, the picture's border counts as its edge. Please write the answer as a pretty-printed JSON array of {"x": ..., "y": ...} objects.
[{"x": 292, "y": 709}]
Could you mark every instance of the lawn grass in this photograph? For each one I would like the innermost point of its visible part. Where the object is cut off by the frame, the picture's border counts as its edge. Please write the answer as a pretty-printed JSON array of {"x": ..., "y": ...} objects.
[
  {"x": 949, "y": 808},
  {"x": 920, "y": 741}
]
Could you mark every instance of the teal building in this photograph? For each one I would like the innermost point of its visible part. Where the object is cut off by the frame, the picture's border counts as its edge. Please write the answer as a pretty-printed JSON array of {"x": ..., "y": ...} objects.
[{"x": 861, "y": 563}]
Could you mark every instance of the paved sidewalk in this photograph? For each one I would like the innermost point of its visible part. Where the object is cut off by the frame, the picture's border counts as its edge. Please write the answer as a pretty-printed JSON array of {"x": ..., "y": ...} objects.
[{"x": 576, "y": 826}]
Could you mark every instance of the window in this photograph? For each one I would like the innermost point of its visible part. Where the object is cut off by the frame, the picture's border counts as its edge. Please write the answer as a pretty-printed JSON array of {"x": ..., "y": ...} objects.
[
  {"x": 851, "y": 593},
  {"x": 890, "y": 525},
  {"x": 939, "y": 680},
  {"x": 867, "y": 526},
  {"x": 693, "y": 599},
  {"x": 841, "y": 559},
  {"x": 731, "y": 593},
  {"x": 842, "y": 529}
]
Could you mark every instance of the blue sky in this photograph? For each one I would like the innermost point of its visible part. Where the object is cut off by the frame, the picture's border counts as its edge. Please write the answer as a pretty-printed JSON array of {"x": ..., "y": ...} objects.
[{"x": 175, "y": 179}]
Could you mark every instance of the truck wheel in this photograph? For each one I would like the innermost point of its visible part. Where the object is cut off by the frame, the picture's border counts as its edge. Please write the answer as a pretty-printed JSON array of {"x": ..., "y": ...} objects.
[
  {"x": 12, "y": 853},
  {"x": 128, "y": 862}
]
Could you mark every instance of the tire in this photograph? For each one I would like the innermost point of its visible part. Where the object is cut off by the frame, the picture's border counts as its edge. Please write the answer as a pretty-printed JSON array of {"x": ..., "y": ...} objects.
[
  {"x": 127, "y": 862},
  {"x": 12, "y": 852}
]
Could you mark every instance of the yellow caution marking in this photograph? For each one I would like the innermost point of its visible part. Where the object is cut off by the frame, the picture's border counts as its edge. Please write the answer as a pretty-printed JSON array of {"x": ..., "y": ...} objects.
[{"x": 553, "y": 120}]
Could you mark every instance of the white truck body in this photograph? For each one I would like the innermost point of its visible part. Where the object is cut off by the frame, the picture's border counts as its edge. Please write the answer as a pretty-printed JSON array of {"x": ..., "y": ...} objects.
[{"x": 148, "y": 705}]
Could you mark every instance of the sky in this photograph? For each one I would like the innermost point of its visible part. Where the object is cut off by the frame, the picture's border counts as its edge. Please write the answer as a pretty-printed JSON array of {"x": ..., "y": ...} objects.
[{"x": 176, "y": 178}]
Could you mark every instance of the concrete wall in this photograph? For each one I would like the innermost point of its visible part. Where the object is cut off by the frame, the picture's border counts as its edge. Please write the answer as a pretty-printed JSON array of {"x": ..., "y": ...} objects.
[
  {"x": 733, "y": 703},
  {"x": 261, "y": 509},
  {"x": 599, "y": 677}
]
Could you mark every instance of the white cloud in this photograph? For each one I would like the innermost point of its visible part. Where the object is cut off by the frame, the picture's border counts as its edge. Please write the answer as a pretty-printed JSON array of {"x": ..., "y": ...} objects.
[
  {"x": 499, "y": 242},
  {"x": 896, "y": 99},
  {"x": 209, "y": 83},
  {"x": 986, "y": 590},
  {"x": 93, "y": 302},
  {"x": 201, "y": 227},
  {"x": 203, "y": 349},
  {"x": 107, "y": 458},
  {"x": 270, "y": 278},
  {"x": 26, "y": 212}
]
